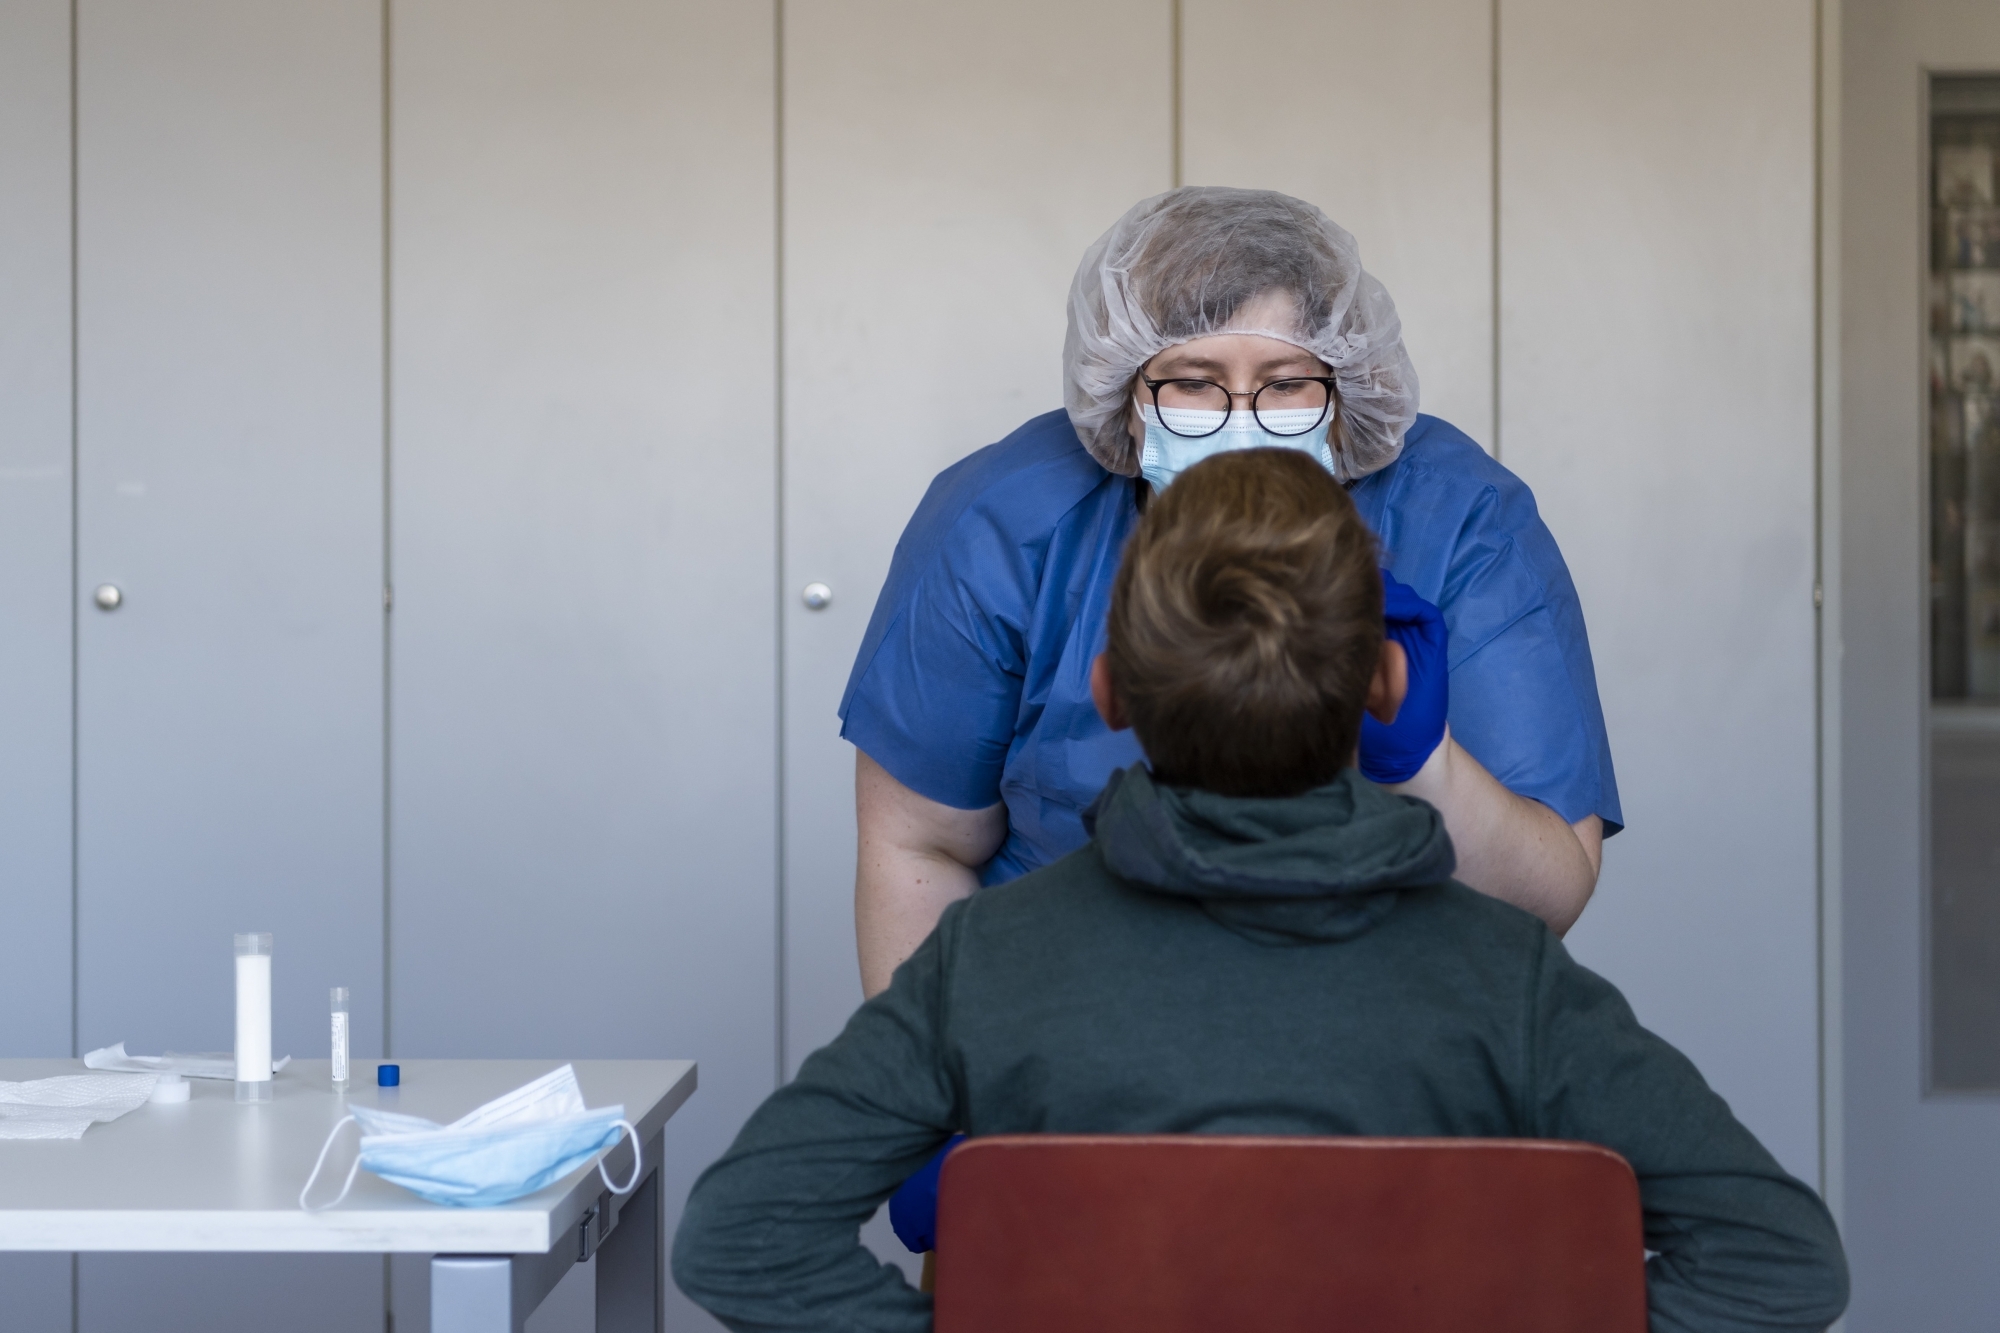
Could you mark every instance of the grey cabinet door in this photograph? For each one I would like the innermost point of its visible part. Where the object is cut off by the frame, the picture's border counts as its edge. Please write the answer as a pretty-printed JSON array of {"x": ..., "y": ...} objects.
[
  {"x": 945, "y": 168},
  {"x": 583, "y": 441},
  {"x": 229, "y": 415},
  {"x": 35, "y": 608},
  {"x": 1635, "y": 266}
]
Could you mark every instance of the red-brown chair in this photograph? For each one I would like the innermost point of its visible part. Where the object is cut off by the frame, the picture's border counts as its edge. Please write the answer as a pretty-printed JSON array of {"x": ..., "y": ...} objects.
[{"x": 1199, "y": 1233}]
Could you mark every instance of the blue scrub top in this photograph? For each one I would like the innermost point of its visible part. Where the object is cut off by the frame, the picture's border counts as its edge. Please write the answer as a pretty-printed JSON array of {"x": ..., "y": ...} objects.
[{"x": 973, "y": 683}]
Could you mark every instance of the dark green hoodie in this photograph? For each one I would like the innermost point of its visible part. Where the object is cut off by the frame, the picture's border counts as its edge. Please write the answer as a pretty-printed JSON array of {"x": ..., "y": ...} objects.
[{"x": 1212, "y": 965}]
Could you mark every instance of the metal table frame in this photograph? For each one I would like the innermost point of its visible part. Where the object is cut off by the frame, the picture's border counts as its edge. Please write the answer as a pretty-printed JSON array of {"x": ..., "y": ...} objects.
[{"x": 495, "y": 1293}]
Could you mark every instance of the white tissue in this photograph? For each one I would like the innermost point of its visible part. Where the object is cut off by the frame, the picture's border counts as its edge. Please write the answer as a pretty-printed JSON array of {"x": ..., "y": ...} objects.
[
  {"x": 64, "y": 1106},
  {"x": 221, "y": 1065}
]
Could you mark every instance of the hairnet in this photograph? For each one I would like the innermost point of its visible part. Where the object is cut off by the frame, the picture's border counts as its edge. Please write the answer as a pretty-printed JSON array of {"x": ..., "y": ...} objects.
[{"x": 1185, "y": 264}]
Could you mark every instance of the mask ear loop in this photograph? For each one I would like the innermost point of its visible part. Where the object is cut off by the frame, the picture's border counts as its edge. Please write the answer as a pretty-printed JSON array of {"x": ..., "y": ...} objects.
[
  {"x": 631, "y": 1184},
  {"x": 351, "y": 1171}
]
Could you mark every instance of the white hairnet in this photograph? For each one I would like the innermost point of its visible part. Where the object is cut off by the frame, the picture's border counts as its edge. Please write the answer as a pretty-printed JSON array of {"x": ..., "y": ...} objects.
[{"x": 1186, "y": 264}]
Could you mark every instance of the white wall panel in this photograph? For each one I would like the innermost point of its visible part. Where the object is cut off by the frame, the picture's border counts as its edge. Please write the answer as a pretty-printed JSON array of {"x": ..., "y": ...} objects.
[
  {"x": 35, "y": 603},
  {"x": 584, "y": 754},
  {"x": 1383, "y": 116},
  {"x": 229, "y": 762},
  {"x": 945, "y": 167},
  {"x": 1657, "y": 392}
]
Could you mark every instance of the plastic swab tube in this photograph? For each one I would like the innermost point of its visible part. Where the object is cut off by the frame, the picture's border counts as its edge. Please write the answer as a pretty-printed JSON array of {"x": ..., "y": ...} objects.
[{"x": 339, "y": 998}]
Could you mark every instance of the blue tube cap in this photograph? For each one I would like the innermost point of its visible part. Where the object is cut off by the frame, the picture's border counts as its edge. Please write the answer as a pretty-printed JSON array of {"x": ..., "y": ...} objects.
[{"x": 388, "y": 1076}]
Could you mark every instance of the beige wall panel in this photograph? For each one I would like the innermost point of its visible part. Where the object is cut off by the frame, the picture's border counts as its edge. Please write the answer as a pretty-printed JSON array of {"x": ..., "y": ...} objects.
[
  {"x": 1383, "y": 116},
  {"x": 1657, "y": 392},
  {"x": 945, "y": 166},
  {"x": 584, "y": 472}
]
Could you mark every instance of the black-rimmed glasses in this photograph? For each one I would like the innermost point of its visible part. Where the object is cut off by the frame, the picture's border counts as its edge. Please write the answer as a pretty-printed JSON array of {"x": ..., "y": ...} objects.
[{"x": 1280, "y": 407}]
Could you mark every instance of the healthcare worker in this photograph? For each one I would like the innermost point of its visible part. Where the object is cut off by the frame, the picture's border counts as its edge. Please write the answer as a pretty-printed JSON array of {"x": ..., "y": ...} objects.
[{"x": 1210, "y": 319}]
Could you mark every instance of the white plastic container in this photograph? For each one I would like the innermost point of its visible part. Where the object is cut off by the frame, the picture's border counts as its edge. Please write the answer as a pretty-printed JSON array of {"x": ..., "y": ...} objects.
[
  {"x": 253, "y": 1017},
  {"x": 339, "y": 1006}
]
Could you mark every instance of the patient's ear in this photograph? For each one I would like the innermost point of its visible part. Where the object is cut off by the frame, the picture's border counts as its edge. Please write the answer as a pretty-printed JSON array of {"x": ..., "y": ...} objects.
[
  {"x": 1385, "y": 691},
  {"x": 1106, "y": 699}
]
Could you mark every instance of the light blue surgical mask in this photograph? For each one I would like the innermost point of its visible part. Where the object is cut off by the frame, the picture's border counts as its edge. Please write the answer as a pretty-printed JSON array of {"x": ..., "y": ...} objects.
[
  {"x": 513, "y": 1145},
  {"x": 1167, "y": 455}
]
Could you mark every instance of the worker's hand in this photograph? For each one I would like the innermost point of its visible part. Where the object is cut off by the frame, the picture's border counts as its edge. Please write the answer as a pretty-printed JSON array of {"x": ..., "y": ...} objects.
[
  {"x": 1393, "y": 752},
  {"x": 913, "y": 1207}
]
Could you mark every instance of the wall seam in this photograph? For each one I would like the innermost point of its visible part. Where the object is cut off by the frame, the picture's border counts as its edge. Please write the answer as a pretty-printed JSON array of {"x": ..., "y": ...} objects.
[
  {"x": 1176, "y": 22},
  {"x": 75, "y": 573},
  {"x": 75, "y": 656},
  {"x": 1819, "y": 548},
  {"x": 1826, "y": 582},
  {"x": 388, "y": 575},
  {"x": 1493, "y": 207},
  {"x": 780, "y": 788}
]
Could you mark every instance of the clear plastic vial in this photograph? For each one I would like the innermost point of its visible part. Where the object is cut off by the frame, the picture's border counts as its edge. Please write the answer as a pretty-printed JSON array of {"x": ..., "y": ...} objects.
[
  {"x": 253, "y": 1017},
  {"x": 340, "y": 1039}
]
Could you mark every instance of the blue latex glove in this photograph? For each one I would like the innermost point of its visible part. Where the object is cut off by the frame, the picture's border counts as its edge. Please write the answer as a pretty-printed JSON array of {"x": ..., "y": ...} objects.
[
  {"x": 1394, "y": 753},
  {"x": 913, "y": 1207}
]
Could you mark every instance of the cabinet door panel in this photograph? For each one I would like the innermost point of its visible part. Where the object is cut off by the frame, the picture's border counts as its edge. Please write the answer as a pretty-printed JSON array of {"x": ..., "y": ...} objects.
[
  {"x": 584, "y": 757},
  {"x": 35, "y": 493},
  {"x": 229, "y": 733},
  {"x": 1657, "y": 391},
  {"x": 1383, "y": 116},
  {"x": 945, "y": 168}
]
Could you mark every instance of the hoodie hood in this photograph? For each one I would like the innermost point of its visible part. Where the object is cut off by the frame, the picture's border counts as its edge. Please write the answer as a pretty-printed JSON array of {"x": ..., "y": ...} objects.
[{"x": 1323, "y": 866}]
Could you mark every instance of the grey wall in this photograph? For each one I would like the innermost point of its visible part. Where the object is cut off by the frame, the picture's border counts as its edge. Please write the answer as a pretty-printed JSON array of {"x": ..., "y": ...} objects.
[
  {"x": 1642, "y": 304},
  {"x": 598, "y": 329},
  {"x": 499, "y": 309}
]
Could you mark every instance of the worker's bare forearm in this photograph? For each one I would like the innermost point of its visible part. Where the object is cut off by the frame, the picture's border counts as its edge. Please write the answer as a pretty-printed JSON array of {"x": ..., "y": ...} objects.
[
  {"x": 1516, "y": 849},
  {"x": 914, "y": 858}
]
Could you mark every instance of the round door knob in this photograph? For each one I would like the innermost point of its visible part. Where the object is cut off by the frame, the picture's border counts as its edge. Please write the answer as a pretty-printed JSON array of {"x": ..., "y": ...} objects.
[
  {"x": 816, "y": 596},
  {"x": 107, "y": 597}
]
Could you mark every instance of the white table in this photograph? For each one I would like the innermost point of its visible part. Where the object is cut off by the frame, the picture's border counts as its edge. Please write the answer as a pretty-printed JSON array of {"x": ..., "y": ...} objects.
[{"x": 208, "y": 1175}]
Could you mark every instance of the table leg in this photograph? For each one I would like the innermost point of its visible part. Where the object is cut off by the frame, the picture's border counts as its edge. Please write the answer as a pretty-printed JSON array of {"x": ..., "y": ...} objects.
[
  {"x": 474, "y": 1293},
  {"x": 494, "y": 1293},
  {"x": 631, "y": 1263}
]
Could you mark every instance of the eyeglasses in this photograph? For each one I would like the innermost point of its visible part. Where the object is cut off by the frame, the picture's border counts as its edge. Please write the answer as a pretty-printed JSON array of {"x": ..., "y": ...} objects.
[{"x": 1279, "y": 406}]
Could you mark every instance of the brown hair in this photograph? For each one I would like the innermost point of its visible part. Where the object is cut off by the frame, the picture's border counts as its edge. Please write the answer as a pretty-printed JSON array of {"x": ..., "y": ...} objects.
[{"x": 1245, "y": 625}]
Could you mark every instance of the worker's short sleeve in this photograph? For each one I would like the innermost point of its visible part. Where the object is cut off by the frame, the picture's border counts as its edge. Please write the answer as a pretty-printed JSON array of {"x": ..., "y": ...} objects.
[
  {"x": 1465, "y": 533},
  {"x": 935, "y": 702},
  {"x": 1523, "y": 695},
  {"x": 935, "y": 697}
]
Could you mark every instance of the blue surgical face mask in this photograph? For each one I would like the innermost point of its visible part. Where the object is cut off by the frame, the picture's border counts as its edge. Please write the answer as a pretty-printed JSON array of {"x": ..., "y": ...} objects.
[
  {"x": 1167, "y": 455},
  {"x": 513, "y": 1145}
]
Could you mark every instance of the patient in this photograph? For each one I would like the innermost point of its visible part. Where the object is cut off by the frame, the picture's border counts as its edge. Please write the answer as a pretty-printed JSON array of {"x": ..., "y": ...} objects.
[{"x": 1257, "y": 941}]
